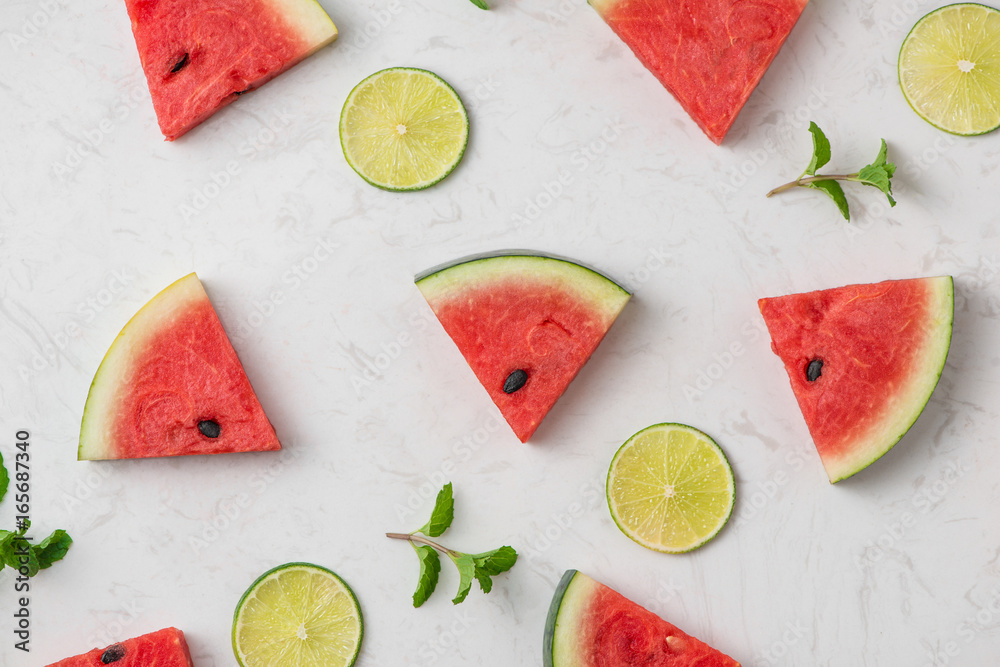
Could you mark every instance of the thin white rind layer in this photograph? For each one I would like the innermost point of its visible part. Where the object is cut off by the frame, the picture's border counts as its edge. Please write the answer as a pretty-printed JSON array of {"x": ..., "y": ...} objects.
[
  {"x": 910, "y": 401},
  {"x": 586, "y": 284},
  {"x": 103, "y": 400},
  {"x": 568, "y": 609},
  {"x": 309, "y": 20}
]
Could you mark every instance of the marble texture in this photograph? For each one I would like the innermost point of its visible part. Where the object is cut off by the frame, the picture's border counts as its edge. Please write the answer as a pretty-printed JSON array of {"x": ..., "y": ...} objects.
[{"x": 575, "y": 150}]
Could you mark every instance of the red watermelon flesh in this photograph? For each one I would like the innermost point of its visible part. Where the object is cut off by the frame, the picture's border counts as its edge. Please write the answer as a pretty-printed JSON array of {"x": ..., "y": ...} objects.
[
  {"x": 592, "y": 625},
  {"x": 710, "y": 54},
  {"x": 163, "y": 648},
  {"x": 540, "y": 315},
  {"x": 170, "y": 372},
  {"x": 200, "y": 55},
  {"x": 882, "y": 348}
]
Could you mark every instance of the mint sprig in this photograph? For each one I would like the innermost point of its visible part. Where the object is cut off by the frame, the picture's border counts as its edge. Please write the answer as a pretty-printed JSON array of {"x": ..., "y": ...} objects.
[
  {"x": 480, "y": 3},
  {"x": 480, "y": 567},
  {"x": 443, "y": 514},
  {"x": 878, "y": 174},
  {"x": 16, "y": 551}
]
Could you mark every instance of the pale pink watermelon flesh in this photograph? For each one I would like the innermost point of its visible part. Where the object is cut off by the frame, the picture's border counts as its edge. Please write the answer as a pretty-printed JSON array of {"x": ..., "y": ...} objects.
[
  {"x": 709, "y": 54},
  {"x": 200, "y": 55},
  {"x": 163, "y": 648},
  {"x": 592, "y": 625},
  {"x": 540, "y": 315},
  {"x": 882, "y": 347},
  {"x": 169, "y": 376}
]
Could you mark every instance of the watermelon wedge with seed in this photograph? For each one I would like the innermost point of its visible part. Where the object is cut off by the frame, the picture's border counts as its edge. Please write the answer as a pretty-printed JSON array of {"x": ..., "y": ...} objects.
[
  {"x": 163, "y": 648},
  {"x": 710, "y": 54},
  {"x": 171, "y": 384},
  {"x": 525, "y": 324},
  {"x": 863, "y": 361},
  {"x": 591, "y": 625},
  {"x": 200, "y": 55}
]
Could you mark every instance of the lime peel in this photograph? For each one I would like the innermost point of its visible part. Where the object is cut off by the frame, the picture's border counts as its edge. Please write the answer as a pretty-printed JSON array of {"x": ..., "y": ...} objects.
[
  {"x": 297, "y": 615},
  {"x": 403, "y": 129},
  {"x": 949, "y": 68},
  {"x": 670, "y": 488}
]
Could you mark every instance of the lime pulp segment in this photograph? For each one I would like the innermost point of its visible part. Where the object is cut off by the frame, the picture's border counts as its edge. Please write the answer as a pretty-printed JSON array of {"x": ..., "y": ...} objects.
[
  {"x": 670, "y": 488},
  {"x": 949, "y": 68},
  {"x": 403, "y": 129},
  {"x": 297, "y": 615}
]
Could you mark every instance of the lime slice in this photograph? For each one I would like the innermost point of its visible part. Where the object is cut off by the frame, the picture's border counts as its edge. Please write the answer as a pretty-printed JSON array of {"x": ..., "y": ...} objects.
[
  {"x": 297, "y": 615},
  {"x": 403, "y": 129},
  {"x": 670, "y": 488},
  {"x": 949, "y": 68}
]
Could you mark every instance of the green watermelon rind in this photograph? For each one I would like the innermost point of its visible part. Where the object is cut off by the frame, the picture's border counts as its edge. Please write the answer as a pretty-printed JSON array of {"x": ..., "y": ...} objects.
[
  {"x": 102, "y": 399},
  {"x": 557, "y": 611},
  {"x": 306, "y": 566},
  {"x": 588, "y": 283},
  {"x": 898, "y": 423}
]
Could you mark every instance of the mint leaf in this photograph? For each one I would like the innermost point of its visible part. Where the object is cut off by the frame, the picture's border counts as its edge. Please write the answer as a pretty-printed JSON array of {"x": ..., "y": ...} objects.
[
  {"x": 466, "y": 571},
  {"x": 496, "y": 561},
  {"x": 4, "y": 478},
  {"x": 430, "y": 568},
  {"x": 878, "y": 174},
  {"x": 16, "y": 552},
  {"x": 443, "y": 514},
  {"x": 492, "y": 563},
  {"x": 821, "y": 149},
  {"x": 52, "y": 548},
  {"x": 480, "y": 3},
  {"x": 836, "y": 193},
  {"x": 483, "y": 577},
  {"x": 5, "y": 535}
]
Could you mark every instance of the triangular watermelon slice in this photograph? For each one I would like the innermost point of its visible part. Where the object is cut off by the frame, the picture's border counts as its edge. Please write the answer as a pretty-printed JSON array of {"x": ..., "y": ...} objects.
[
  {"x": 526, "y": 324},
  {"x": 863, "y": 361},
  {"x": 171, "y": 384},
  {"x": 710, "y": 54},
  {"x": 163, "y": 648},
  {"x": 200, "y": 55},
  {"x": 591, "y": 625}
]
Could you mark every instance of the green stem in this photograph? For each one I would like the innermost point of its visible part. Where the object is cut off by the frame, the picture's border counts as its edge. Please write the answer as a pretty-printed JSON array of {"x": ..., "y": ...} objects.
[
  {"x": 411, "y": 537},
  {"x": 812, "y": 179}
]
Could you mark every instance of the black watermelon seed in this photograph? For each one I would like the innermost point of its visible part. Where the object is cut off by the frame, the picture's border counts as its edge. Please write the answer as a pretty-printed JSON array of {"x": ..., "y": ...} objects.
[
  {"x": 209, "y": 428},
  {"x": 113, "y": 653},
  {"x": 180, "y": 64},
  {"x": 240, "y": 92},
  {"x": 515, "y": 381},
  {"x": 814, "y": 370}
]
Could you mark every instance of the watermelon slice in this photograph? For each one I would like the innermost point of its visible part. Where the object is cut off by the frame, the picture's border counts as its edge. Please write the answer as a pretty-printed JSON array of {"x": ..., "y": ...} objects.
[
  {"x": 591, "y": 625},
  {"x": 863, "y": 361},
  {"x": 171, "y": 384},
  {"x": 709, "y": 54},
  {"x": 526, "y": 324},
  {"x": 163, "y": 648},
  {"x": 200, "y": 55}
]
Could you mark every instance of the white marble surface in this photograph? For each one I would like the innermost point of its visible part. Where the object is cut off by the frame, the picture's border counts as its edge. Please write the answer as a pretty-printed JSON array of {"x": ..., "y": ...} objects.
[{"x": 97, "y": 214}]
